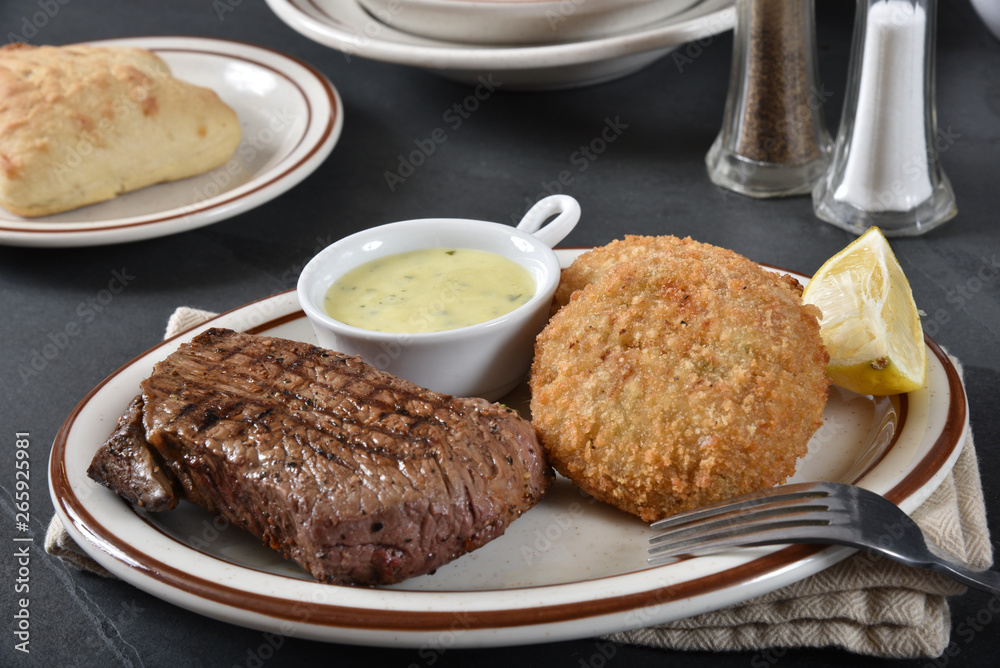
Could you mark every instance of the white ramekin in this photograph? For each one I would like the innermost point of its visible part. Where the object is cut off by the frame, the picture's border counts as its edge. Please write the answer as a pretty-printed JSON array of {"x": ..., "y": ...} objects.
[{"x": 485, "y": 360}]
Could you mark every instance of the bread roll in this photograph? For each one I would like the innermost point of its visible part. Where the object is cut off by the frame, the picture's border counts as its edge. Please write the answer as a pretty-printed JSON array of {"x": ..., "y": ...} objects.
[{"x": 81, "y": 124}]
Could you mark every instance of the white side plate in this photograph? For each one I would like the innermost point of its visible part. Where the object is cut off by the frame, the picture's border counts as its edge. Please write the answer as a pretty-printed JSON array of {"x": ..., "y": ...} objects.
[{"x": 291, "y": 117}]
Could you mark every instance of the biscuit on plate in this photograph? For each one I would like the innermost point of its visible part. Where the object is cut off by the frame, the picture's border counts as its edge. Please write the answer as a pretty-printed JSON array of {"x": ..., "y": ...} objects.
[{"x": 82, "y": 124}]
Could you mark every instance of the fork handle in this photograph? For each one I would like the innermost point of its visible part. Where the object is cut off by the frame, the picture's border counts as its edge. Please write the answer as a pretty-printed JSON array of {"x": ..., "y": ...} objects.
[{"x": 988, "y": 581}]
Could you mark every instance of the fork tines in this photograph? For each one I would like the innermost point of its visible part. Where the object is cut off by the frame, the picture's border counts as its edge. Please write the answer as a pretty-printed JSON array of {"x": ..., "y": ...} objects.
[{"x": 756, "y": 519}]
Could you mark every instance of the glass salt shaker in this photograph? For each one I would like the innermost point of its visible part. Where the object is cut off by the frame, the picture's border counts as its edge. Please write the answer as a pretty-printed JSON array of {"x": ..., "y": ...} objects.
[
  {"x": 773, "y": 140},
  {"x": 885, "y": 169}
]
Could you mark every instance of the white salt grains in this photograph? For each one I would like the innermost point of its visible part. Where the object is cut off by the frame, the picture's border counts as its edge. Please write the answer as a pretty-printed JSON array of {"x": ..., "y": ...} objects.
[{"x": 887, "y": 164}]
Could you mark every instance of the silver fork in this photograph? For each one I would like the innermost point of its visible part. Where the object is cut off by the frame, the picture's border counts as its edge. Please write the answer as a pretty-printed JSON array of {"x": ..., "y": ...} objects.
[{"x": 818, "y": 512}]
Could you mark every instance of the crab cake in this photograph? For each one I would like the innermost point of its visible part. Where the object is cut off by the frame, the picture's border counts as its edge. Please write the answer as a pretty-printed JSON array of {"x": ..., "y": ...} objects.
[
  {"x": 679, "y": 378},
  {"x": 594, "y": 263}
]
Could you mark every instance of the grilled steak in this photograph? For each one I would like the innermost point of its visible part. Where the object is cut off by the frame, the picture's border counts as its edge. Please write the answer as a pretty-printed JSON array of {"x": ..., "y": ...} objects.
[{"x": 357, "y": 475}]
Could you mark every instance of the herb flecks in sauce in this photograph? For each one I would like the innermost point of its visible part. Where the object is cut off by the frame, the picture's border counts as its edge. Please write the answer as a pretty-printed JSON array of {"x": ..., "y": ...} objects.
[{"x": 429, "y": 290}]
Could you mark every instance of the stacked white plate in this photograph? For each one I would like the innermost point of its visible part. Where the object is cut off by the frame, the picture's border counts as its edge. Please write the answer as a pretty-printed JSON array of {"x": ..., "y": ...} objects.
[
  {"x": 521, "y": 22},
  {"x": 521, "y": 44}
]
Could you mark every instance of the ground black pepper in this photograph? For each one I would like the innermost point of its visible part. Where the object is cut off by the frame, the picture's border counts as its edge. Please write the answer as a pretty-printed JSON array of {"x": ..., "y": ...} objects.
[
  {"x": 773, "y": 139},
  {"x": 777, "y": 115}
]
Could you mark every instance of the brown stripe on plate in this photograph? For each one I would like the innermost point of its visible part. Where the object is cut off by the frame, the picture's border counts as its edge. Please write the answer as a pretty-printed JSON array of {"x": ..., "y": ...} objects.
[{"x": 948, "y": 440}]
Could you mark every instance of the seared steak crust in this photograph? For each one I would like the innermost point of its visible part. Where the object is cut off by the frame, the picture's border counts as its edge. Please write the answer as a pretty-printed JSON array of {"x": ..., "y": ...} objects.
[
  {"x": 140, "y": 475},
  {"x": 357, "y": 475}
]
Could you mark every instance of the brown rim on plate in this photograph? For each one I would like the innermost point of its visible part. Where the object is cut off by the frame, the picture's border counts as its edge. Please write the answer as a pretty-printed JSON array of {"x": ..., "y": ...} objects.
[
  {"x": 219, "y": 200},
  {"x": 949, "y": 438},
  {"x": 335, "y": 616}
]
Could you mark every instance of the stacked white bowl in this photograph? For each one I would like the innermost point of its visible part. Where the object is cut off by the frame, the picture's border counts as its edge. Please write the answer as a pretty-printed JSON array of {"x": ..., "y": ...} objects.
[{"x": 521, "y": 22}]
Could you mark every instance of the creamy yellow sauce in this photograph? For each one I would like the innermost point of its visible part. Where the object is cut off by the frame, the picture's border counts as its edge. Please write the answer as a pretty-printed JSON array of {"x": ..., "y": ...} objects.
[{"x": 429, "y": 290}]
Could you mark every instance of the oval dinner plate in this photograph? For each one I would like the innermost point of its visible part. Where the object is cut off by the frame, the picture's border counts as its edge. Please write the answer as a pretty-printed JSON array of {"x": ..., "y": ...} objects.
[
  {"x": 290, "y": 115},
  {"x": 569, "y": 568}
]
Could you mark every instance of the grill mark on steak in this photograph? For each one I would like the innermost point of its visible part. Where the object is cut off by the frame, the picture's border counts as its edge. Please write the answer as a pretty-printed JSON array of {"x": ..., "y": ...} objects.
[
  {"x": 290, "y": 398},
  {"x": 357, "y": 475}
]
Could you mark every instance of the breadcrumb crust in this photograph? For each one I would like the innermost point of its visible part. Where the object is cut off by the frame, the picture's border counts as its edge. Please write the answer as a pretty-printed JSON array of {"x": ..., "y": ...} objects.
[{"x": 676, "y": 374}]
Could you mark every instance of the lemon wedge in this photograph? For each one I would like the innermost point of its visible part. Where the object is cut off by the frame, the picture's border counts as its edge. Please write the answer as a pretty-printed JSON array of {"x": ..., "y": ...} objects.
[{"x": 870, "y": 324}]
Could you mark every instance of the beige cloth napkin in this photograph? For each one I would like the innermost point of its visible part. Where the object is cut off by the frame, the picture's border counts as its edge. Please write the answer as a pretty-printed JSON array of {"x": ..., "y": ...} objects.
[{"x": 864, "y": 604}]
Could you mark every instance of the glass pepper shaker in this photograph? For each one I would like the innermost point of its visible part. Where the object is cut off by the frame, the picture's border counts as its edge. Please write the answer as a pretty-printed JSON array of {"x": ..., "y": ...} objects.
[
  {"x": 773, "y": 140},
  {"x": 885, "y": 169}
]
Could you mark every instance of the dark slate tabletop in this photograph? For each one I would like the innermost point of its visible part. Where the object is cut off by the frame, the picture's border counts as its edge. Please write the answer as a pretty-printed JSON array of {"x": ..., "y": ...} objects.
[{"x": 511, "y": 149}]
